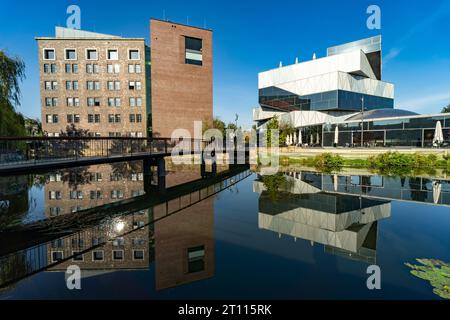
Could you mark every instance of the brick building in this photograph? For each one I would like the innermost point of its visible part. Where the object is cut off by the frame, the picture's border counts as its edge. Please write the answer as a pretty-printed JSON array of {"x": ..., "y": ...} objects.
[{"x": 116, "y": 86}]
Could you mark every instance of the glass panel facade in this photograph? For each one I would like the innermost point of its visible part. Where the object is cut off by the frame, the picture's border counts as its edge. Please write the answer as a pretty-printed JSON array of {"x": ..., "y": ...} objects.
[
  {"x": 390, "y": 133},
  {"x": 280, "y": 99}
]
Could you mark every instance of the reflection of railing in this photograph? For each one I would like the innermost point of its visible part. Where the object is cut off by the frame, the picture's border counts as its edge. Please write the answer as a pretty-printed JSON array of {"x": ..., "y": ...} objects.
[{"x": 32, "y": 260}]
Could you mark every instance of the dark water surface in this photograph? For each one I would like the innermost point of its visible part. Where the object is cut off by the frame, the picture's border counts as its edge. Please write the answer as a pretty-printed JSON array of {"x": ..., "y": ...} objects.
[{"x": 311, "y": 236}]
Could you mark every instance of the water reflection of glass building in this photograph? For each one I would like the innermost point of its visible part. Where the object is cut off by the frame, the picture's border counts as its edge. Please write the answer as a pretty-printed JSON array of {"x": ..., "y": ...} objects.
[
  {"x": 345, "y": 224},
  {"x": 419, "y": 189},
  {"x": 343, "y": 90}
]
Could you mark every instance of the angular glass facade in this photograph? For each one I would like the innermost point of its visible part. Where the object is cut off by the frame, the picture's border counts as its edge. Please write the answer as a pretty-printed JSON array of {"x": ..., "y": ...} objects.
[{"x": 280, "y": 99}]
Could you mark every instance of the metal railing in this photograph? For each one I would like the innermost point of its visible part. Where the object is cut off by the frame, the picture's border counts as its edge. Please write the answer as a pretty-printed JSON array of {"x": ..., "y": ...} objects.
[{"x": 31, "y": 150}]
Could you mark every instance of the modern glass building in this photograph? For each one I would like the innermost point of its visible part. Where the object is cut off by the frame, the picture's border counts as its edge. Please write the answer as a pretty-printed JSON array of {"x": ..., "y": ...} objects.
[{"x": 340, "y": 100}]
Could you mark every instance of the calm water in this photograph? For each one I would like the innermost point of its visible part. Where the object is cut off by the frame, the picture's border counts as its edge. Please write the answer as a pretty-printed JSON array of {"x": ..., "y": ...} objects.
[{"x": 302, "y": 236}]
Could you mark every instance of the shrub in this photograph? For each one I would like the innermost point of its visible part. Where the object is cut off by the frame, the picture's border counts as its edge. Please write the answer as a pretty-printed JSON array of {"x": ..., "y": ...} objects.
[{"x": 328, "y": 162}]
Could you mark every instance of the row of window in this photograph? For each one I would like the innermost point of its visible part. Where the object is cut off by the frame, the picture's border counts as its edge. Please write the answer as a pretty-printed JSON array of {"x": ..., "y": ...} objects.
[
  {"x": 98, "y": 255},
  {"x": 93, "y": 102},
  {"x": 98, "y": 177},
  {"x": 93, "y": 194},
  {"x": 94, "y": 118},
  {"x": 132, "y": 134},
  {"x": 90, "y": 54},
  {"x": 91, "y": 68},
  {"x": 92, "y": 85},
  {"x": 78, "y": 241}
]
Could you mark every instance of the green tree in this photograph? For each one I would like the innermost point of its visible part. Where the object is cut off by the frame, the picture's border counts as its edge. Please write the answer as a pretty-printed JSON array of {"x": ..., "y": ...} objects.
[
  {"x": 273, "y": 124},
  {"x": 446, "y": 109},
  {"x": 216, "y": 124},
  {"x": 12, "y": 72},
  {"x": 284, "y": 129}
]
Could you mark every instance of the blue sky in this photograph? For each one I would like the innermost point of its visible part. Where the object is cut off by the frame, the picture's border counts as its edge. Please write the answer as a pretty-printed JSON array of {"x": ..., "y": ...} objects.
[{"x": 254, "y": 36}]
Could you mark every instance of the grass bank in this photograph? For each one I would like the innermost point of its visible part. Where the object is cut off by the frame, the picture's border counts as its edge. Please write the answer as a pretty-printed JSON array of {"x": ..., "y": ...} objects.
[{"x": 389, "y": 163}]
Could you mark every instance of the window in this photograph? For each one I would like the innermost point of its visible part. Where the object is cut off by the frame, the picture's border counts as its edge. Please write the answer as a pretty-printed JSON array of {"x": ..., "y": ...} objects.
[
  {"x": 91, "y": 54},
  {"x": 196, "y": 259},
  {"x": 93, "y": 118},
  {"x": 133, "y": 54},
  {"x": 139, "y": 102},
  {"x": 138, "y": 68},
  {"x": 138, "y": 254},
  {"x": 95, "y": 177},
  {"x": 54, "y": 195},
  {"x": 71, "y": 54},
  {"x": 134, "y": 85},
  {"x": 138, "y": 118},
  {"x": 132, "y": 102},
  {"x": 134, "y": 68},
  {"x": 57, "y": 256},
  {"x": 51, "y": 85},
  {"x": 50, "y": 68},
  {"x": 93, "y": 102},
  {"x": 54, "y": 211},
  {"x": 113, "y": 85},
  {"x": 118, "y": 242},
  {"x": 113, "y": 102},
  {"x": 71, "y": 68},
  {"x": 76, "y": 195},
  {"x": 93, "y": 85},
  {"x": 138, "y": 242},
  {"x": 52, "y": 118},
  {"x": 113, "y": 68},
  {"x": 71, "y": 85},
  {"x": 49, "y": 54},
  {"x": 95, "y": 194},
  {"x": 113, "y": 54},
  {"x": 117, "y": 254},
  {"x": 116, "y": 194},
  {"x": 132, "y": 118},
  {"x": 97, "y": 255},
  {"x": 113, "y": 118},
  {"x": 73, "y": 118},
  {"x": 92, "y": 68},
  {"x": 51, "y": 102},
  {"x": 77, "y": 256},
  {"x": 193, "y": 51}
]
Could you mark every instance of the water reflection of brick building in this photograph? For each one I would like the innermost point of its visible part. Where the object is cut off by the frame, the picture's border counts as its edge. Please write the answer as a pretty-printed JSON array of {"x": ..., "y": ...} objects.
[
  {"x": 78, "y": 189},
  {"x": 127, "y": 252},
  {"x": 184, "y": 245}
]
